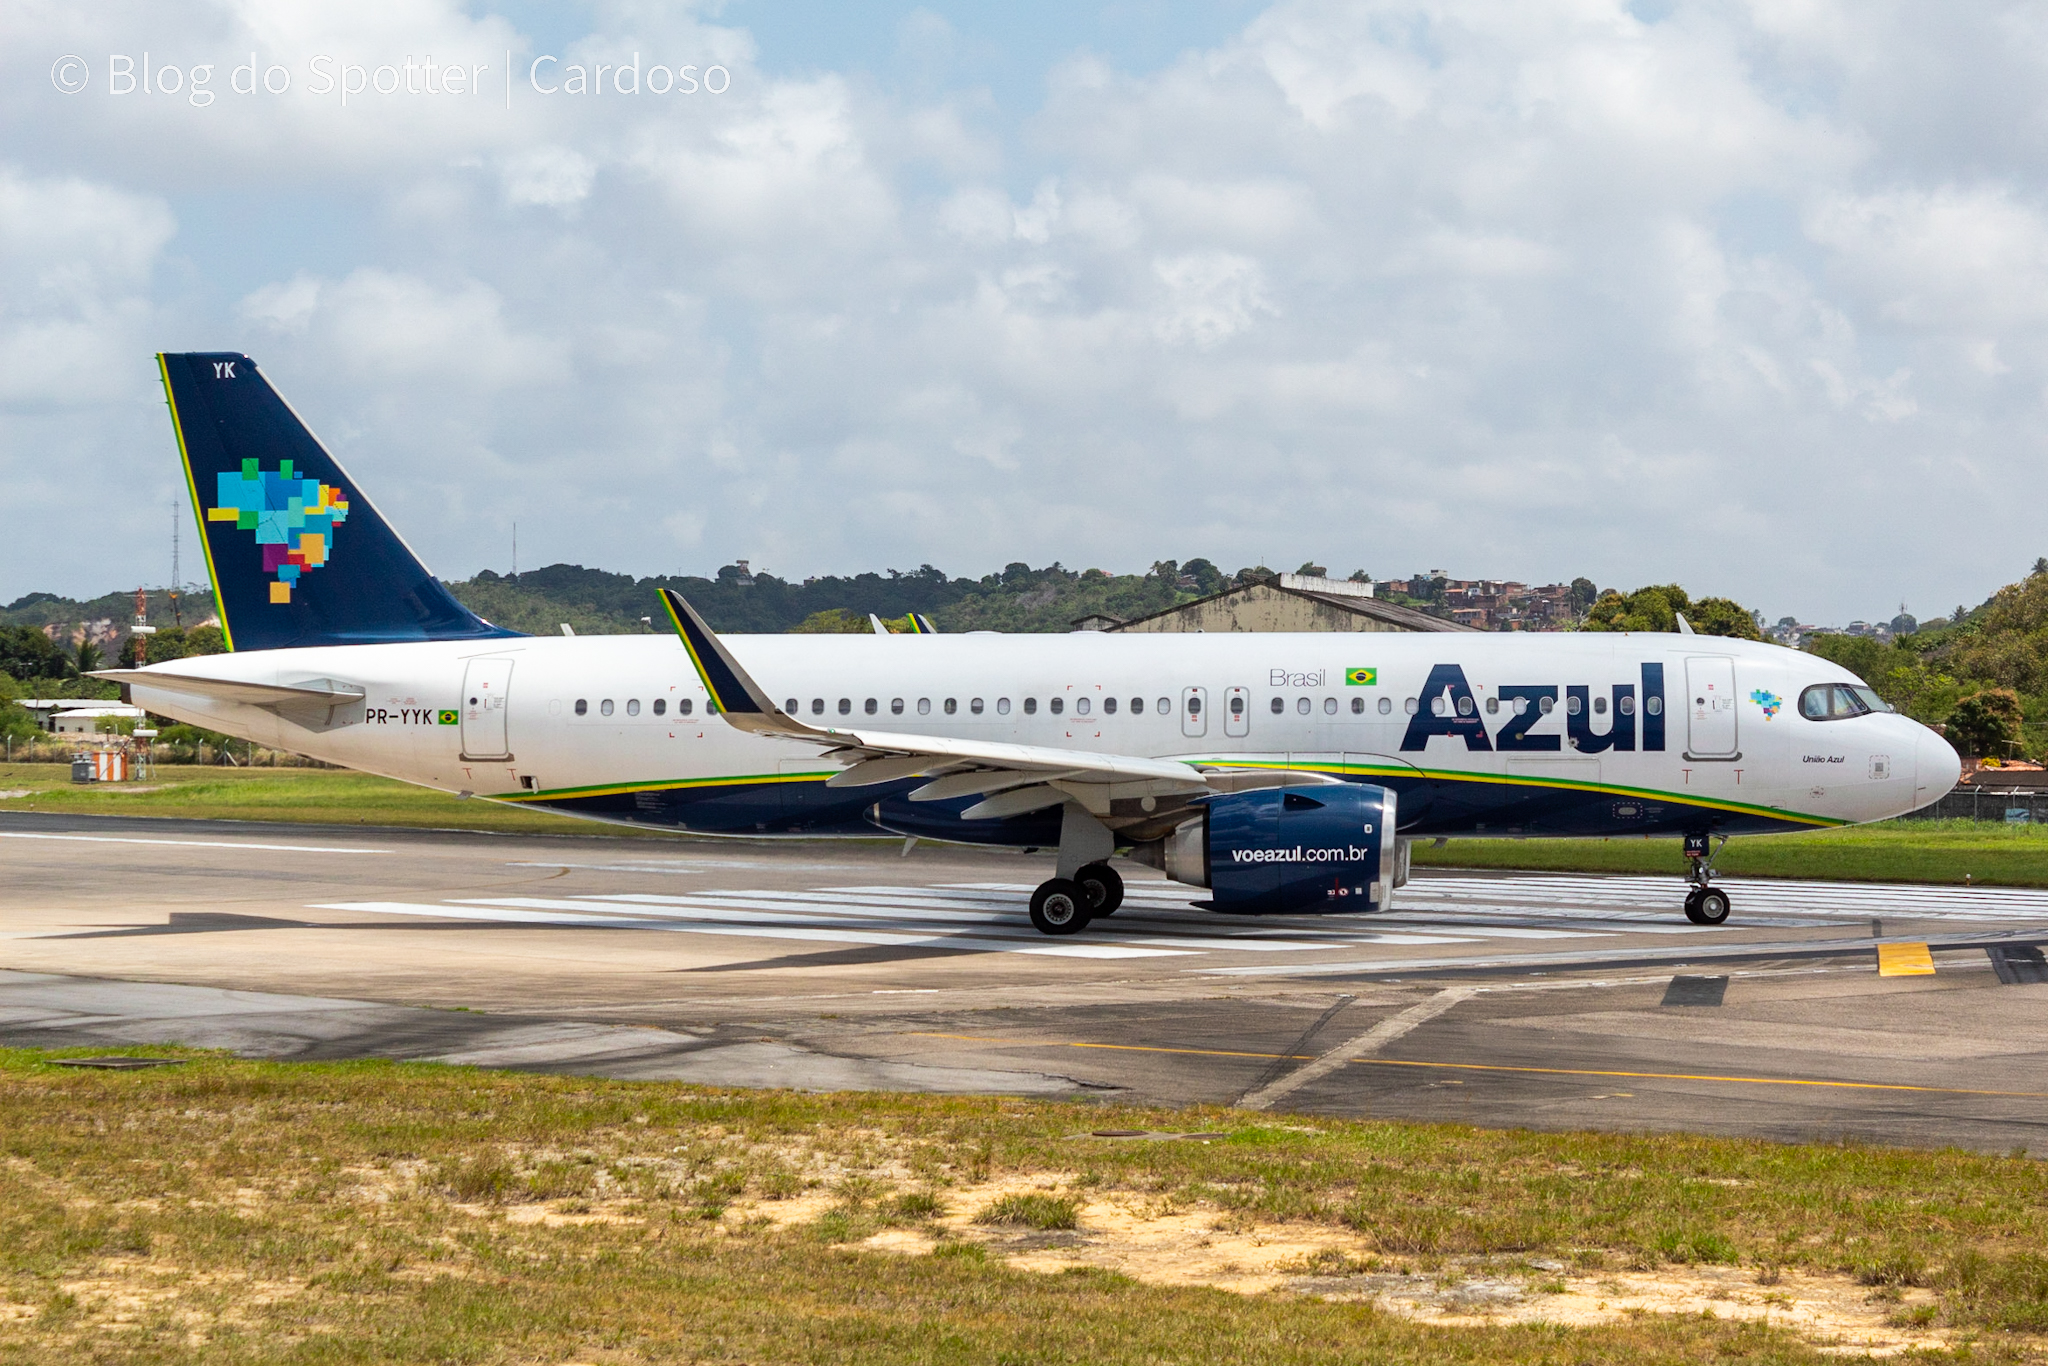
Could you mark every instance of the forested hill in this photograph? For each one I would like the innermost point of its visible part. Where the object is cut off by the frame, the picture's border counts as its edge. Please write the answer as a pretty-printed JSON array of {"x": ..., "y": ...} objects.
[{"x": 1020, "y": 598}]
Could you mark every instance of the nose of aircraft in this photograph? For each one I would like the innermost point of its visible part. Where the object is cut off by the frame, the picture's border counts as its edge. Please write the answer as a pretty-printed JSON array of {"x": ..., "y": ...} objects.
[{"x": 1936, "y": 767}]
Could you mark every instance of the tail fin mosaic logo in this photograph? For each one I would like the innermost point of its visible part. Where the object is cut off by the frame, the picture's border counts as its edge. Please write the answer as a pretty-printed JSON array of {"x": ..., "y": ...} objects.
[{"x": 293, "y": 518}]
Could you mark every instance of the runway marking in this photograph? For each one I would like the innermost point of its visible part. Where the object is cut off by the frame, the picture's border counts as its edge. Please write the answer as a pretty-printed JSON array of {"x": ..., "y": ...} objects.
[
  {"x": 791, "y": 908},
  {"x": 1490, "y": 1067},
  {"x": 1351, "y": 1050},
  {"x": 195, "y": 844},
  {"x": 818, "y": 935},
  {"x": 1690, "y": 1076}
]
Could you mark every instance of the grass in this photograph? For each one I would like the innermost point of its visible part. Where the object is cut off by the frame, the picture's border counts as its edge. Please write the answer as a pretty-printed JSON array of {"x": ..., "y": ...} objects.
[
  {"x": 1946, "y": 851},
  {"x": 228, "y": 1212},
  {"x": 309, "y": 795},
  {"x": 1894, "y": 851},
  {"x": 1033, "y": 1210}
]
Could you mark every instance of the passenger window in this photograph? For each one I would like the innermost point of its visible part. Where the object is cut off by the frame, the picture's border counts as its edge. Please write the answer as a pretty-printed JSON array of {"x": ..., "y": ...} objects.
[
  {"x": 582, "y": 706},
  {"x": 1387, "y": 705},
  {"x": 1654, "y": 706},
  {"x": 895, "y": 706},
  {"x": 1279, "y": 705},
  {"x": 1056, "y": 705},
  {"x": 1572, "y": 706},
  {"x": 846, "y": 706},
  {"x": 1412, "y": 706},
  {"x": 605, "y": 707},
  {"x": 817, "y": 706},
  {"x": 1439, "y": 706},
  {"x": 1329, "y": 706},
  {"x": 1081, "y": 706},
  {"x": 1627, "y": 705},
  {"x": 1137, "y": 706},
  {"x": 1599, "y": 706},
  {"x": 1493, "y": 706},
  {"x": 791, "y": 707},
  {"x": 952, "y": 705},
  {"x": 924, "y": 706},
  {"x": 1002, "y": 706},
  {"x": 632, "y": 706},
  {"x": 1109, "y": 706},
  {"x": 1166, "y": 706},
  {"x": 1358, "y": 706},
  {"x": 1521, "y": 706},
  {"x": 660, "y": 706},
  {"x": 975, "y": 706},
  {"x": 1194, "y": 706},
  {"x": 1546, "y": 705},
  {"x": 1301, "y": 705},
  {"x": 1031, "y": 706},
  {"x": 683, "y": 707},
  {"x": 1237, "y": 706},
  {"x": 871, "y": 706}
]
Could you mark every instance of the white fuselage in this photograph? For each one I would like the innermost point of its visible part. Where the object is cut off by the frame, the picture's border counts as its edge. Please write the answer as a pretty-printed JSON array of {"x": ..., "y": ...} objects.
[{"x": 575, "y": 718}]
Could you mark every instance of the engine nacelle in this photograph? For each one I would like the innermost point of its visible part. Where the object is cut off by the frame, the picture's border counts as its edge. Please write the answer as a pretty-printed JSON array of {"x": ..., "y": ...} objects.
[{"x": 1289, "y": 850}]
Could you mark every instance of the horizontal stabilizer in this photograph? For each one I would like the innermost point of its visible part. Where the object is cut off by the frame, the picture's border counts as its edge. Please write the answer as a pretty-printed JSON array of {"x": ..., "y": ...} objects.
[{"x": 318, "y": 692}]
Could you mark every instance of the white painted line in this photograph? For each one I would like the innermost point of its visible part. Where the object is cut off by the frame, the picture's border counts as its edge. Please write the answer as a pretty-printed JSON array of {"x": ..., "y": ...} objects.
[
  {"x": 1372, "y": 1041},
  {"x": 820, "y": 935},
  {"x": 194, "y": 844}
]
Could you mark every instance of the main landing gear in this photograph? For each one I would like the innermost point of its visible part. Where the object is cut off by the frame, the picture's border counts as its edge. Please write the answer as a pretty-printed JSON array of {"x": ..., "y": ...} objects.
[
  {"x": 1066, "y": 905},
  {"x": 1705, "y": 904}
]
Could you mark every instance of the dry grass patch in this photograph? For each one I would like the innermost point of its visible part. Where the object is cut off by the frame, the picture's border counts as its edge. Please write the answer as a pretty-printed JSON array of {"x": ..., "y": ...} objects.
[{"x": 229, "y": 1212}]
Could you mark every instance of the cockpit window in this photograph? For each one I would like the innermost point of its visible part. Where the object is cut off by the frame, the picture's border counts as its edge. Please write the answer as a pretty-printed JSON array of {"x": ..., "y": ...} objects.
[{"x": 1837, "y": 701}]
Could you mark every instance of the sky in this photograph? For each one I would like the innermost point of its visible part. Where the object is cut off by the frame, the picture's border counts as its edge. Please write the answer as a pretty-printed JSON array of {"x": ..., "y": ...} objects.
[{"x": 1751, "y": 297}]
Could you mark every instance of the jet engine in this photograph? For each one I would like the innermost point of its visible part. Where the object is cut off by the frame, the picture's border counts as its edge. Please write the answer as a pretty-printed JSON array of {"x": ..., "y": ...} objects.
[{"x": 1288, "y": 850}]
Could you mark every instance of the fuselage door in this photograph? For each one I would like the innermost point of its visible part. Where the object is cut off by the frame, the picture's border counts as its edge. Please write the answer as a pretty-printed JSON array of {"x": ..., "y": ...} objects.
[
  {"x": 1194, "y": 712},
  {"x": 484, "y": 690},
  {"x": 1237, "y": 713},
  {"x": 1710, "y": 707}
]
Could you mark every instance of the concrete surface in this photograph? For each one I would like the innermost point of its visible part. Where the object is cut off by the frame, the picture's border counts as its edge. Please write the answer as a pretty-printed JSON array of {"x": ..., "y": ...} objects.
[{"x": 1500, "y": 999}]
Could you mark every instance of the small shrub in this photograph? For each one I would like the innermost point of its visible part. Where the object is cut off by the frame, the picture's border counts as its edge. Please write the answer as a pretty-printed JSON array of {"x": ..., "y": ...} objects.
[
  {"x": 1893, "y": 1266},
  {"x": 479, "y": 1180},
  {"x": 915, "y": 1206},
  {"x": 780, "y": 1184},
  {"x": 1033, "y": 1210},
  {"x": 558, "y": 1181}
]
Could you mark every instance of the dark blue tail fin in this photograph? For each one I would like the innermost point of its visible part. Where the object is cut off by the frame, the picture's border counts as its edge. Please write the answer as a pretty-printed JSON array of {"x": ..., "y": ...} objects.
[{"x": 297, "y": 554}]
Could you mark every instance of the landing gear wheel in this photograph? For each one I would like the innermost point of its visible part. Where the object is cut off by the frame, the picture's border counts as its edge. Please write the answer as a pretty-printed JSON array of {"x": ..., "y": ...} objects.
[
  {"x": 1692, "y": 907},
  {"x": 1707, "y": 906},
  {"x": 1105, "y": 889},
  {"x": 1059, "y": 907}
]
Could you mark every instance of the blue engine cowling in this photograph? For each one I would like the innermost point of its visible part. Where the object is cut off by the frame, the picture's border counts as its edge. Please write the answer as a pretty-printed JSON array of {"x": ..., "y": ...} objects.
[{"x": 1291, "y": 850}]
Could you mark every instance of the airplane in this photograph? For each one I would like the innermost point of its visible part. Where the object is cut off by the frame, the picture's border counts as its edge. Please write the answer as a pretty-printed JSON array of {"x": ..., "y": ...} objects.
[{"x": 1284, "y": 773}]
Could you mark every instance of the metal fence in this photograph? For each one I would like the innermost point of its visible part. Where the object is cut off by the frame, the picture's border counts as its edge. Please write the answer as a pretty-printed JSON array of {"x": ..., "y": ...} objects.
[{"x": 1973, "y": 803}]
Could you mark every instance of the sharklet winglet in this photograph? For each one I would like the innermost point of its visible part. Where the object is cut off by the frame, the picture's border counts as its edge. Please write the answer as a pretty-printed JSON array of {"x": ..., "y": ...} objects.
[{"x": 742, "y": 701}]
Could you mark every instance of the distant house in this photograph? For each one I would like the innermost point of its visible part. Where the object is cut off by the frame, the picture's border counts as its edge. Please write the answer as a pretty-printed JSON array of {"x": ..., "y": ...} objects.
[
  {"x": 85, "y": 720},
  {"x": 1293, "y": 602}
]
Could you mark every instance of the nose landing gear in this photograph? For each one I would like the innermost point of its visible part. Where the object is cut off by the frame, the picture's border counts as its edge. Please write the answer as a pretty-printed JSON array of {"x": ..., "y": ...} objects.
[{"x": 1705, "y": 904}]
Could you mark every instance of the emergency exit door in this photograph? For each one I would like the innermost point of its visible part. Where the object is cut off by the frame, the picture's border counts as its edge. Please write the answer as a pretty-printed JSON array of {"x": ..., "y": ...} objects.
[
  {"x": 1194, "y": 712},
  {"x": 1237, "y": 712},
  {"x": 484, "y": 689},
  {"x": 1710, "y": 708}
]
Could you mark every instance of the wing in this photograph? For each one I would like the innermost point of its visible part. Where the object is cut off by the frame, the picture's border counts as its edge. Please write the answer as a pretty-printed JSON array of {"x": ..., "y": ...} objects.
[{"x": 1010, "y": 779}]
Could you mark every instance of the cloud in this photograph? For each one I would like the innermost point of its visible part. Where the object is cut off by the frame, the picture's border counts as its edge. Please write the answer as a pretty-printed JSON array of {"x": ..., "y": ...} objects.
[{"x": 1742, "y": 295}]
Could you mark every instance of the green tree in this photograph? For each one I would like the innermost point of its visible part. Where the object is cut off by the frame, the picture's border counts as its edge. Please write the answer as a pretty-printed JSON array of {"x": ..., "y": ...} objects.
[
  {"x": 1656, "y": 607},
  {"x": 1987, "y": 723},
  {"x": 88, "y": 657},
  {"x": 26, "y": 652}
]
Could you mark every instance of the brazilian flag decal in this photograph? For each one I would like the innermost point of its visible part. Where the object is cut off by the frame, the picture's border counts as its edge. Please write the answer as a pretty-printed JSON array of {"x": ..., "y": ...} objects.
[
  {"x": 1361, "y": 678},
  {"x": 446, "y": 718}
]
